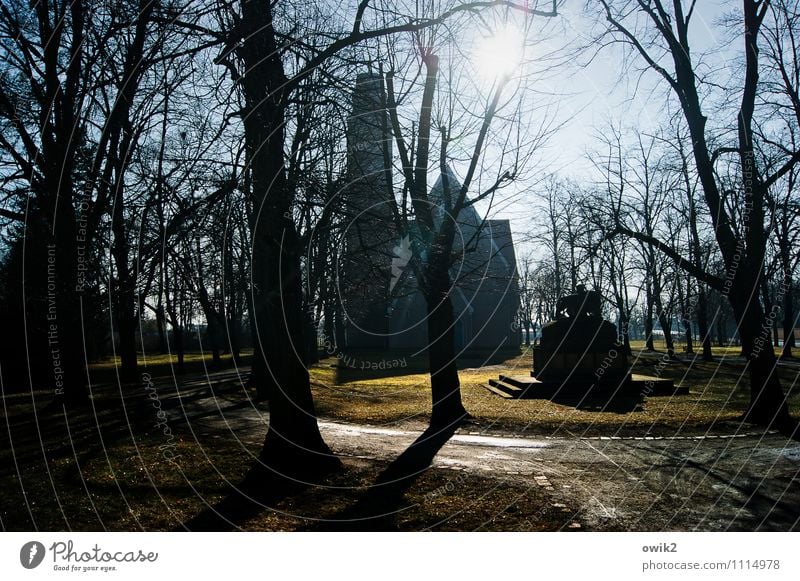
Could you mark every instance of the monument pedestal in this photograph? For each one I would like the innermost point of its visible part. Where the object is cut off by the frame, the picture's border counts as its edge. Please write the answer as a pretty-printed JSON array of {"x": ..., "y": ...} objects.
[{"x": 580, "y": 352}]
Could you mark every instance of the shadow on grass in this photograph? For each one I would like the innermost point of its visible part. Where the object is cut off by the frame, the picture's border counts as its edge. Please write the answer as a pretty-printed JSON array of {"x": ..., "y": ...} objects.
[
  {"x": 249, "y": 499},
  {"x": 375, "y": 511},
  {"x": 378, "y": 508}
]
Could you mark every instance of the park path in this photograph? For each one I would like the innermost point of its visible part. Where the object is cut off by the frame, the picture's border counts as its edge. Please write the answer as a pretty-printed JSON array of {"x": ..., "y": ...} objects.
[{"x": 740, "y": 481}]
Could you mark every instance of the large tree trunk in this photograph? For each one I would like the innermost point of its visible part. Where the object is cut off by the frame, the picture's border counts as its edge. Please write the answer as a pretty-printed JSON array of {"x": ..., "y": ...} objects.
[
  {"x": 124, "y": 300},
  {"x": 56, "y": 196},
  {"x": 445, "y": 385},
  {"x": 767, "y": 401},
  {"x": 65, "y": 334},
  {"x": 121, "y": 146},
  {"x": 293, "y": 446},
  {"x": 743, "y": 256}
]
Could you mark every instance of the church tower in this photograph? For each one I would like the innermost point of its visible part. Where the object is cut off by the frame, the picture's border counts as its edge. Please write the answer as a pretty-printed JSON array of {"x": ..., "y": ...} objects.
[{"x": 365, "y": 269}]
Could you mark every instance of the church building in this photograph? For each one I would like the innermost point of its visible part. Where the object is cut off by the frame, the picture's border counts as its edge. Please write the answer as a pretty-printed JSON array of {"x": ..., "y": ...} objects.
[{"x": 384, "y": 308}]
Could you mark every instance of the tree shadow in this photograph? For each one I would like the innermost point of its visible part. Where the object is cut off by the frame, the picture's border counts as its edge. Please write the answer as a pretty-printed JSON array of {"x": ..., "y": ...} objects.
[
  {"x": 260, "y": 490},
  {"x": 789, "y": 428},
  {"x": 758, "y": 503},
  {"x": 378, "y": 508}
]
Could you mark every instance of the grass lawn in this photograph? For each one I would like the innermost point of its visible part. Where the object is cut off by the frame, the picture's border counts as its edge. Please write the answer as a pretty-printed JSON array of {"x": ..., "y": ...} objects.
[
  {"x": 102, "y": 468},
  {"x": 718, "y": 394}
]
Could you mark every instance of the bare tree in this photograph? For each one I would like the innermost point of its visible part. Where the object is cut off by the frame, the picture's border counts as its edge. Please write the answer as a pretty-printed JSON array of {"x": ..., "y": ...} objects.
[
  {"x": 781, "y": 34},
  {"x": 258, "y": 36},
  {"x": 44, "y": 74},
  {"x": 651, "y": 28}
]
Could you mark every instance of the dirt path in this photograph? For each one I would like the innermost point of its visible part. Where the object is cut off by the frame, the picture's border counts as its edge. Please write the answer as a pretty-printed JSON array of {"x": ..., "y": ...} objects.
[{"x": 743, "y": 481}]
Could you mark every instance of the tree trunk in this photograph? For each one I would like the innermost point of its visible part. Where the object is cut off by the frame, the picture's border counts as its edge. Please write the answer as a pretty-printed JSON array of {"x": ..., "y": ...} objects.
[
  {"x": 775, "y": 336},
  {"x": 126, "y": 325},
  {"x": 213, "y": 339},
  {"x": 722, "y": 331},
  {"x": 174, "y": 319},
  {"x": 120, "y": 150},
  {"x": 258, "y": 368},
  {"x": 767, "y": 402},
  {"x": 624, "y": 328},
  {"x": 160, "y": 323},
  {"x": 124, "y": 300},
  {"x": 687, "y": 322},
  {"x": 666, "y": 327},
  {"x": 663, "y": 316},
  {"x": 788, "y": 321},
  {"x": 648, "y": 317},
  {"x": 66, "y": 327},
  {"x": 445, "y": 385},
  {"x": 234, "y": 326},
  {"x": 177, "y": 333},
  {"x": 702, "y": 323},
  {"x": 293, "y": 446},
  {"x": 684, "y": 302}
]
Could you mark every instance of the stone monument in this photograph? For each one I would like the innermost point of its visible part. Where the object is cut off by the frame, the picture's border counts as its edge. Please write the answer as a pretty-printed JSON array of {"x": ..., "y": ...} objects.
[
  {"x": 580, "y": 348},
  {"x": 579, "y": 360}
]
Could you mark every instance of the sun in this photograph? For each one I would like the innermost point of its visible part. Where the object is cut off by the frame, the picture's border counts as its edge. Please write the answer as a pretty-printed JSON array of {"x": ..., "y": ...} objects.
[{"x": 500, "y": 54}]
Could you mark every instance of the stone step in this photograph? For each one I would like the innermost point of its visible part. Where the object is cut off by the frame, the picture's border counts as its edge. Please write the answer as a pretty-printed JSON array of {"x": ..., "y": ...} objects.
[
  {"x": 517, "y": 386},
  {"x": 512, "y": 390},
  {"x": 521, "y": 381},
  {"x": 497, "y": 391}
]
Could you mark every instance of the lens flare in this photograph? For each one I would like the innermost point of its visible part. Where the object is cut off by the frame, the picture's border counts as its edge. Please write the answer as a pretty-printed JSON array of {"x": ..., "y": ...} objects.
[{"x": 500, "y": 54}]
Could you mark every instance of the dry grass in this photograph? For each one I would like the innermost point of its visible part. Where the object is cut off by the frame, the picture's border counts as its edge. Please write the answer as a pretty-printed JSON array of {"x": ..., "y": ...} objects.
[{"x": 718, "y": 394}]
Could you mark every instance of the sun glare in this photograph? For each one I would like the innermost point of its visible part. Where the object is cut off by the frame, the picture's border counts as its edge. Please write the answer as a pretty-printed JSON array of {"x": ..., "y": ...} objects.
[{"x": 499, "y": 54}]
